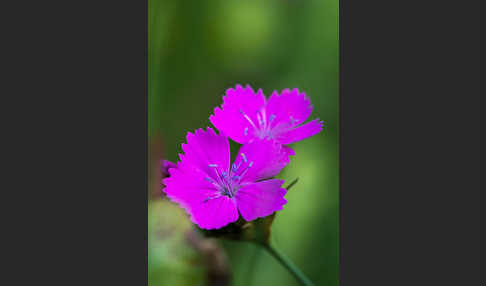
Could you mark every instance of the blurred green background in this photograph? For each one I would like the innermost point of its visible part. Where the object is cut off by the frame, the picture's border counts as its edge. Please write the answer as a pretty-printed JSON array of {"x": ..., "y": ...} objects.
[{"x": 198, "y": 49}]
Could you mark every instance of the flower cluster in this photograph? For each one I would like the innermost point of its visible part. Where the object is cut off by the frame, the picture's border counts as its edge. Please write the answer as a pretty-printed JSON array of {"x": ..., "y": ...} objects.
[{"x": 211, "y": 189}]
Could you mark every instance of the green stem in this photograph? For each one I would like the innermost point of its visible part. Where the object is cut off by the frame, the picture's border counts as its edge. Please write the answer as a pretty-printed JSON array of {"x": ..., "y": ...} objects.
[{"x": 289, "y": 265}]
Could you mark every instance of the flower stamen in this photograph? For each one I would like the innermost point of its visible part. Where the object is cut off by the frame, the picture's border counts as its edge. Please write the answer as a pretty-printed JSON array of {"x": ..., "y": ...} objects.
[{"x": 248, "y": 118}]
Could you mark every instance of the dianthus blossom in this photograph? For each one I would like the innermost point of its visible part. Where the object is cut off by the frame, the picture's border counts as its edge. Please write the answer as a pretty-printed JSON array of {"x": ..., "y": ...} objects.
[
  {"x": 213, "y": 191},
  {"x": 246, "y": 115}
]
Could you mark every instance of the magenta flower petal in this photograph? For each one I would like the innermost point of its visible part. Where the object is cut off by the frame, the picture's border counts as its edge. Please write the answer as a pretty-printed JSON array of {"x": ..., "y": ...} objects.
[
  {"x": 205, "y": 148},
  {"x": 302, "y": 132},
  {"x": 238, "y": 115},
  {"x": 290, "y": 108},
  {"x": 168, "y": 164},
  {"x": 260, "y": 199},
  {"x": 165, "y": 165},
  {"x": 245, "y": 115},
  {"x": 261, "y": 159},
  {"x": 188, "y": 187},
  {"x": 215, "y": 213},
  {"x": 289, "y": 151},
  {"x": 205, "y": 185}
]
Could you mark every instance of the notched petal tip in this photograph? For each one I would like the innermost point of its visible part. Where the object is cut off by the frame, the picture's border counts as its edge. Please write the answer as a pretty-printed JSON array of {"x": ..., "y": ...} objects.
[
  {"x": 239, "y": 88},
  {"x": 295, "y": 92},
  {"x": 216, "y": 110},
  {"x": 210, "y": 130},
  {"x": 199, "y": 132},
  {"x": 189, "y": 136}
]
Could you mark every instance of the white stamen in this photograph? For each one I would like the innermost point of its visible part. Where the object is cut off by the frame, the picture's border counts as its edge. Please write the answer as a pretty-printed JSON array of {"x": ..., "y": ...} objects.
[
  {"x": 248, "y": 118},
  {"x": 260, "y": 121}
]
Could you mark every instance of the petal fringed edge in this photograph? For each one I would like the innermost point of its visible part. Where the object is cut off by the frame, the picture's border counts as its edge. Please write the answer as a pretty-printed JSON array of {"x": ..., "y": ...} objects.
[
  {"x": 261, "y": 199},
  {"x": 301, "y": 132},
  {"x": 206, "y": 148},
  {"x": 289, "y": 108},
  {"x": 237, "y": 116},
  {"x": 262, "y": 159}
]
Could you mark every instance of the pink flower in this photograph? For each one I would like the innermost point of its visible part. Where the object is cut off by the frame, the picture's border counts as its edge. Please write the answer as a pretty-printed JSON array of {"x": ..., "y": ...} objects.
[
  {"x": 212, "y": 191},
  {"x": 246, "y": 115}
]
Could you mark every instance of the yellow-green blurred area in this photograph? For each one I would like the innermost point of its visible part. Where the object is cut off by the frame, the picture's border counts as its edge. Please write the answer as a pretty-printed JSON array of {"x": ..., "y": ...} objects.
[{"x": 198, "y": 49}]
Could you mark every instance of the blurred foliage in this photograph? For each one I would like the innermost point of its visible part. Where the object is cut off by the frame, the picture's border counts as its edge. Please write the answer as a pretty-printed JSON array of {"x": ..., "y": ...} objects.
[
  {"x": 171, "y": 259},
  {"x": 198, "y": 49},
  {"x": 179, "y": 254}
]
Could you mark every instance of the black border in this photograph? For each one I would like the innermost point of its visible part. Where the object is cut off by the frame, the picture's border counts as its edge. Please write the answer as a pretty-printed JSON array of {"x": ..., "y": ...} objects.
[
  {"x": 408, "y": 127},
  {"x": 79, "y": 137}
]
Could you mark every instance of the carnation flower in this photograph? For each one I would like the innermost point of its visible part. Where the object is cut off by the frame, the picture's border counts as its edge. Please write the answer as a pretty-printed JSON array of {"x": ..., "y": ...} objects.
[
  {"x": 213, "y": 191},
  {"x": 246, "y": 115}
]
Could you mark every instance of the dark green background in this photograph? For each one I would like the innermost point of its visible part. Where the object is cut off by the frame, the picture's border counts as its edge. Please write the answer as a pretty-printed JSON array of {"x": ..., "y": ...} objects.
[{"x": 198, "y": 49}]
